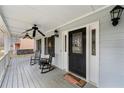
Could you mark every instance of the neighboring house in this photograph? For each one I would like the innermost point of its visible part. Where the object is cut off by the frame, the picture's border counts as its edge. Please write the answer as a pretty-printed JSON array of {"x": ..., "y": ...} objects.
[
  {"x": 24, "y": 46},
  {"x": 26, "y": 43}
]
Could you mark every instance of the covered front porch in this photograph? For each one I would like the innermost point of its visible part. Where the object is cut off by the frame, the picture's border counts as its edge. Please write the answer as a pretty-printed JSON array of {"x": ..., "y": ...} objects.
[{"x": 82, "y": 40}]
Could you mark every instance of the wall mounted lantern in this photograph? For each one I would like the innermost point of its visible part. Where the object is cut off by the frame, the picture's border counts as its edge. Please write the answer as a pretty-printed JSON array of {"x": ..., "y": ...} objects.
[
  {"x": 56, "y": 33},
  {"x": 116, "y": 14}
]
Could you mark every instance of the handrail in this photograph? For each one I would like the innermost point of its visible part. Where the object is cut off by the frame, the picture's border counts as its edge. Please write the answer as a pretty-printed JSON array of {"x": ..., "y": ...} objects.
[{"x": 4, "y": 62}]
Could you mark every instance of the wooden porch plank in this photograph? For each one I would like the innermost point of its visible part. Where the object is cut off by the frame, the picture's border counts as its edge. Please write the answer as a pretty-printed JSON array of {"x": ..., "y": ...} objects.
[
  {"x": 37, "y": 76},
  {"x": 30, "y": 77},
  {"x": 40, "y": 77},
  {"x": 48, "y": 82},
  {"x": 5, "y": 82},
  {"x": 25, "y": 81},
  {"x": 33, "y": 76},
  {"x": 20, "y": 79},
  {"x": 15, "y": 77},
  {"x": 30, "y": 81},
  {"x": 10, "y": 80}
]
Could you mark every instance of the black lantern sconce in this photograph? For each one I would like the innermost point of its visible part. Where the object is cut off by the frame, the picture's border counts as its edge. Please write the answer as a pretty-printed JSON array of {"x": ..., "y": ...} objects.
[
  {"x": 116, "y": 13},
  {"x": 56, "y": 33}
]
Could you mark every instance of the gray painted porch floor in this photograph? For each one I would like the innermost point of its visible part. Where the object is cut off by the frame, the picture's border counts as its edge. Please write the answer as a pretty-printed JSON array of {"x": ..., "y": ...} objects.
[{"x": 21, "y": 75}]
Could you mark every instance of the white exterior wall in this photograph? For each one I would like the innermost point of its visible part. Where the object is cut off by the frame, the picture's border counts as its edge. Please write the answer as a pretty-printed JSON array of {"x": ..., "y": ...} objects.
[
  {"x": 58, "y": 51},
  {"x": 111, "y": 47},
  {"x": 7, "y": 43}
]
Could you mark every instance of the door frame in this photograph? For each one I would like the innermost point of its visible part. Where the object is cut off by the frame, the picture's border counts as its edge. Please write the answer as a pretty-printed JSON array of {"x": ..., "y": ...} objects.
[
  {"x": 96, "y": 24},
  {"x": 81, "y": 56},
  {"x": 65, "y": 61}
]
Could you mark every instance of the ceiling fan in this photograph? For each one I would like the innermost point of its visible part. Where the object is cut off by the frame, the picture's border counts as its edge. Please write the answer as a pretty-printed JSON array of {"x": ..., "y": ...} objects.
[
  {"x": 27, "y": 36},
  {"x": 34, "y": 29}
]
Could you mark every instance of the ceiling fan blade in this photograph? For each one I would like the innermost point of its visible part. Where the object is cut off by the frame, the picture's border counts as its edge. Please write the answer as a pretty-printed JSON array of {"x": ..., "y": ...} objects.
[
  {"x": 26, "y": 31},
  {"x": 23, "y": 32},
  {"x": 29, "y": 37},
  {"x": 24, "y": 37},
  {"x": 40, "y": 32},
  {"x": 34, "y": 33},
  {"x": 29, "y": 29}
]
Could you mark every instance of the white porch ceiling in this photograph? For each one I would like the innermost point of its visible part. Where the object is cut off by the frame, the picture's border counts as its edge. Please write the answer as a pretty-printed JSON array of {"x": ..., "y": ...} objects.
[{"x": 47, "y": 17}]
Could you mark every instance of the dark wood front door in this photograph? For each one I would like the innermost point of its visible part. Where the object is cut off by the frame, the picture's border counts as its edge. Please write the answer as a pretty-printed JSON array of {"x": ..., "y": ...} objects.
[{"x": 77, "y": 52}]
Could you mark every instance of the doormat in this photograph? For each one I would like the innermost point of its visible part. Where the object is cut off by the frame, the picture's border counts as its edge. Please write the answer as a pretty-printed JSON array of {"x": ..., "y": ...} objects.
[{"x": 74, "y": 80}]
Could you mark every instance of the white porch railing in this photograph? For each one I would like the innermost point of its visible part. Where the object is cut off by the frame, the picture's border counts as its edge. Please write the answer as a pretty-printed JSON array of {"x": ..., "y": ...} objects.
[{"x": 4, "y": 62}]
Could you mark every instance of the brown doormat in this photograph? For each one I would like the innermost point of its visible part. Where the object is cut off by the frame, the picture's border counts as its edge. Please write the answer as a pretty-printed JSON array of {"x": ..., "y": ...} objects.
[{"x": 74, "y": 80}]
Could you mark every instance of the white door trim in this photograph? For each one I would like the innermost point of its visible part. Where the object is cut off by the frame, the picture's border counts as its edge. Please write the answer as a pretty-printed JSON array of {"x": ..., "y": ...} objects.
[
  {"x": 94, "y": 59},
  {"x": 66, "y": 61}
]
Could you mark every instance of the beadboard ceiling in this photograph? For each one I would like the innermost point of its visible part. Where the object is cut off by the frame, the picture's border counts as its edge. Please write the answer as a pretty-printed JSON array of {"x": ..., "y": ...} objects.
[{"x": 47, "y": 17}]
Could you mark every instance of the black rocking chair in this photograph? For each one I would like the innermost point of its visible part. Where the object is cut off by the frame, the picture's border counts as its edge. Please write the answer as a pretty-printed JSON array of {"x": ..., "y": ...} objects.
[
  {"x": 36, "y": 58},
  {"x": 46, "y": 64}
]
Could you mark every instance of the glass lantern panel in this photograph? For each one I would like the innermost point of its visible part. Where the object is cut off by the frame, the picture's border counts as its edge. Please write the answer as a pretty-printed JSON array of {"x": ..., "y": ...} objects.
[
  {"x": 116, "y": 13},
  {"x": 120, "y": 12}
]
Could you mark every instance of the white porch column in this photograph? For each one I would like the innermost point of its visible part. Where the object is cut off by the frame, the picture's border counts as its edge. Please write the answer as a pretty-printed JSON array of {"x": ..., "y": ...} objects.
[
  {"x": 35, "y": 45},
  {"x": 43, "y": 45},
  {"x": 7, "y": 43}
]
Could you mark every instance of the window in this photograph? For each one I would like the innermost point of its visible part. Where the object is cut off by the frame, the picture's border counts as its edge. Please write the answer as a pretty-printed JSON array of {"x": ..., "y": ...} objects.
[
  {"x": 65, "y": 43},
  {"x": 38, "y": 44},
  {"x": 46, "y": 46},
  {"x": 1, "y": 43},
  {"x": 93, "y": 42},
  {"x": 50, "y": 46}
]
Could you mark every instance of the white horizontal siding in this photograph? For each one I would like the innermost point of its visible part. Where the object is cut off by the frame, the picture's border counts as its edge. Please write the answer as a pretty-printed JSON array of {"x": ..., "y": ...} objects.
[{"x": 111, "y": 47}]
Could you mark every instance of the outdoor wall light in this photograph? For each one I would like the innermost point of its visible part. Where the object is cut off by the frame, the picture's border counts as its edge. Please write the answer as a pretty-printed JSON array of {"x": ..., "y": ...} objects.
[
  {"x": 56, "y": 33},
  {"x": 116, "y": 13}
]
